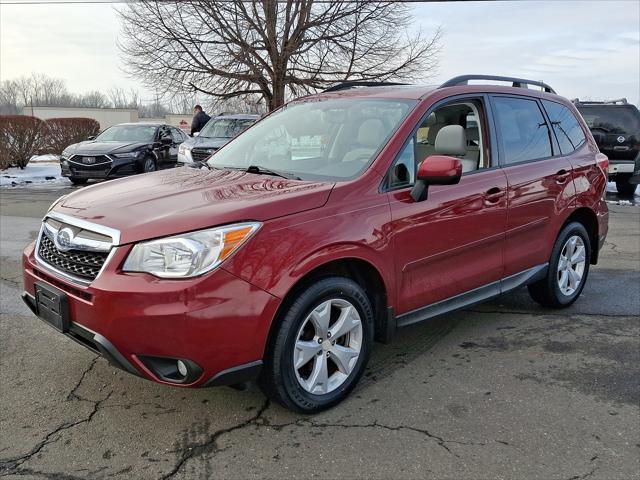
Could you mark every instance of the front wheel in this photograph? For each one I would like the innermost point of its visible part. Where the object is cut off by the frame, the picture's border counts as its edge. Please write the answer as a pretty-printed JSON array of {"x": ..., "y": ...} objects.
[
  {"x": 321, "y": 346},
  {"x": 568, "y": 269}
]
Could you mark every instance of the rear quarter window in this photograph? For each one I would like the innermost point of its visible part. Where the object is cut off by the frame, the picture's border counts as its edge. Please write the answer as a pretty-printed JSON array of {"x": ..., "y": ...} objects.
[{"x": 565, "y": 126}]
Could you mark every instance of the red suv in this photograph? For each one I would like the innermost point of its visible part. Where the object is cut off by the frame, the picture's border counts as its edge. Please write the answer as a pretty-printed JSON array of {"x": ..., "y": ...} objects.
[{"x": 324, "y": 227}]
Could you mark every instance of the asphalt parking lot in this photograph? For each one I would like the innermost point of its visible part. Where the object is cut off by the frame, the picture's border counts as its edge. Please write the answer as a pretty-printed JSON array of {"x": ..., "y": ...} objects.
[{"x": 504, "y": 390}]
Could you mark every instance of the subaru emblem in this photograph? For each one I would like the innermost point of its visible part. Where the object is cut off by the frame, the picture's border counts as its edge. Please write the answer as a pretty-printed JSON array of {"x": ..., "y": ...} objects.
[
  {"x": 621, "y": 139},
  {"x": 64, "y": 239}
]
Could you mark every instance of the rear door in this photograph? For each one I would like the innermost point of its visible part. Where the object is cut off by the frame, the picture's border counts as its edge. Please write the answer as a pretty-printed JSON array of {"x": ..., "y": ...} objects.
[
  {"x": 452, "y": 242},
  {"x": 540, "y": 191}
]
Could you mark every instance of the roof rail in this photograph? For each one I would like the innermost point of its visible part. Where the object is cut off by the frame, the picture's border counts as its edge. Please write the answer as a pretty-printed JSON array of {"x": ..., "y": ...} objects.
[
  {"x": 346, "y": 85},
  {"x": 618, "y": 101},
  {"x": 516, "y": 82}
]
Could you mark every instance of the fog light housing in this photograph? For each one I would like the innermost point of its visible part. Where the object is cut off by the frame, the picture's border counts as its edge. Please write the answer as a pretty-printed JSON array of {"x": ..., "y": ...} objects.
[
  {"x": 172, "y": 370},
  {"x": 182, "y": 368}
]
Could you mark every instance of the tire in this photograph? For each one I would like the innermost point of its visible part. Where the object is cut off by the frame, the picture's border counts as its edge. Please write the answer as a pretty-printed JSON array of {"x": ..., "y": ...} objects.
[
  {"x": 148, "y": 165},
  {"x": 559, "y": 289},
  {"x": 78, "y": 181},
  {"x": 340, "y": 303},
  {"x": 623, "y": 185}
]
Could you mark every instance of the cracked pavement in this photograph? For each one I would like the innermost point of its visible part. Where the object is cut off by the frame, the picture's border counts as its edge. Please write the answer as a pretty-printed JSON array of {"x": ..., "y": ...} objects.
[{"x": 503, "y": 390}]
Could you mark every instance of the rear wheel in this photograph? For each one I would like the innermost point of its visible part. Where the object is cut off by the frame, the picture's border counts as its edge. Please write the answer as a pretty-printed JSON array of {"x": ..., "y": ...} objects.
[
  {"x": 623, "y": 185},
  {"x": 148, "y": 165},
  {"x": 78, "y": 181},
  {"x": 568, "y": 269},
  {"x": 321, "y": 347}
]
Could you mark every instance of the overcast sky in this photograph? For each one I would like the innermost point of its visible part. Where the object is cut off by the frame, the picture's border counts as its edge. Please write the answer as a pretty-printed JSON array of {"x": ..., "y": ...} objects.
[{"x": 583, "y": 49}]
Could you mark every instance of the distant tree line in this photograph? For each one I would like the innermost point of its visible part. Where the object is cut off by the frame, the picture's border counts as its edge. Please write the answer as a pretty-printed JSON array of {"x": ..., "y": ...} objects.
[{"x": 44, "y": 91}]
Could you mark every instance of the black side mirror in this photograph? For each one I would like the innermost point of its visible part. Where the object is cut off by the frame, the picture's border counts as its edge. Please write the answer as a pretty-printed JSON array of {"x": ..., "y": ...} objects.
[
  {"x": 166, "y": 140},
  {"x": 91, "y": 137}
]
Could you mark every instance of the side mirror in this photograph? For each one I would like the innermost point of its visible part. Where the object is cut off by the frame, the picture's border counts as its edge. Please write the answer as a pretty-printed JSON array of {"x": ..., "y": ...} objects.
[
  {"x": 436, "y": 170},
  {"x": 166, "y": 140},
  {"x": 195, "y": 134},
  {"x": 91, "y": 137}
]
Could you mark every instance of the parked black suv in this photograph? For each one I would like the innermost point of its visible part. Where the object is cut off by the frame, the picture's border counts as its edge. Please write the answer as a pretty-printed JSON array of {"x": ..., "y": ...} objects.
[
  {"x": 121, "y": 150},
  {"x": 615, "y": 126}
]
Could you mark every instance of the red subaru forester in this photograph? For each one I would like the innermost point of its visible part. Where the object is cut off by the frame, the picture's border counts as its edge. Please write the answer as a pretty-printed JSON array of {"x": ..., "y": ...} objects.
[{"x": 325, "y": 226}]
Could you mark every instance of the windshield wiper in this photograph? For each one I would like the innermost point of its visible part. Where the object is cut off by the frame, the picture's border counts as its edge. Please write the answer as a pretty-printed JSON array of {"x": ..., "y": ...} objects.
[{"x": 258, "y": 170}]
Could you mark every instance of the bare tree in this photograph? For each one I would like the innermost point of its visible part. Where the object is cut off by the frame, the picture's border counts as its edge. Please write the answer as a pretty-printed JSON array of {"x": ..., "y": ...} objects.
[{"x": 272, "y": 48}]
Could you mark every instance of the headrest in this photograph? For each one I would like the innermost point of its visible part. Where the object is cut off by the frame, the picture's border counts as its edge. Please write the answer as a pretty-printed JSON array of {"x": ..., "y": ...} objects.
[
  {"x": 433, "y": 132},
  {"x": 371, "y": 133},
  {"x": 472, "y": 133},
  {"x": 451, "y": 140}
]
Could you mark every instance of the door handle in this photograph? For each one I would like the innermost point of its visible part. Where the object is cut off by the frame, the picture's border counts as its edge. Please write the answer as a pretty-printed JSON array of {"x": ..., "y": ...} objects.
[
  {"x": 562, "y": 175},
  {"x": 493, "y": 195}
]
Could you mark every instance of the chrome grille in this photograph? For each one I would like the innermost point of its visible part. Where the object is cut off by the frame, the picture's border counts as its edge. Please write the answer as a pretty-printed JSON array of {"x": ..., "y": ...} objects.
[
  {"x": 85, "y": 265},
  {"x": 201, "y": 155},
  {"x": 74, "y": 248}
]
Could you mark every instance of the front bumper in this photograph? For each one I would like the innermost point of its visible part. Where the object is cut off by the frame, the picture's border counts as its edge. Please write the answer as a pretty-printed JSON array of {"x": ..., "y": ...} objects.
[
  {"x": 110, "y": 168},
  {"x": 218, "y": 321}
]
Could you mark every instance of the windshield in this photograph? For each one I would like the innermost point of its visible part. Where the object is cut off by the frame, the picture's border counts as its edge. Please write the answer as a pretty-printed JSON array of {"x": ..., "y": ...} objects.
[
  {"x": 128, "y": 133},
  {"x": 611, "y": 119},
  {"x": 225, "y": 127},
  {"x": 321, "y": 139}
]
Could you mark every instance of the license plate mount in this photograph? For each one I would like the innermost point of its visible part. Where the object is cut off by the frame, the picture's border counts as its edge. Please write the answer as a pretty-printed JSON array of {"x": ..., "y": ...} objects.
[{"x": 52, "y": 306}]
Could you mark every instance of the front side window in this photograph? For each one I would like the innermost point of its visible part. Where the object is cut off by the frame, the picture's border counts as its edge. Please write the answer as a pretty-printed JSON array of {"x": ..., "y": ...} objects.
[
  {"x": 567, "y": 129},
  {"x": 318, "y": 139},
  {"x": 523, "y": 131},
  {"x": 128, "y": 133},
  {"x": 454, "y": 130}
]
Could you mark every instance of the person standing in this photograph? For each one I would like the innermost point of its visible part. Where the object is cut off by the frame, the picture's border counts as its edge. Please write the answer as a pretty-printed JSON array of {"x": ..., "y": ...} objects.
[{"x": 200, "y": 119}]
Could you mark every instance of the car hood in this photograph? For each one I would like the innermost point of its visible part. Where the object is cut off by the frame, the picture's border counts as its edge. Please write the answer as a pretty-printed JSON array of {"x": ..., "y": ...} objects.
[
  {"x": 206, "y": 142},
  {"x": 185, "y": 199},
  {"x": 103, "y": 148}
]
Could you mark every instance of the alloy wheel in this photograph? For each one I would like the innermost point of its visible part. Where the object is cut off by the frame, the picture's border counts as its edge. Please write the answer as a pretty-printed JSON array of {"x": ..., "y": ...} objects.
[
  {"x": 571, "y": 265},
  {"x": 328, "y": 346},
  {"x": 149, "y": 165}
]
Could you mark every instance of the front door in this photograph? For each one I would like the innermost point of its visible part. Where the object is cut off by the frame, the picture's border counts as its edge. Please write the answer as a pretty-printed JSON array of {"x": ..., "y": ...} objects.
[{"x": 452, "y": 242}]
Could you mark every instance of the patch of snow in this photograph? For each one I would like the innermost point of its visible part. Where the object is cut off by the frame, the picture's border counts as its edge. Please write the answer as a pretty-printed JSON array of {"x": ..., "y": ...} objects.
[
  {"x": 33, "y": 174},
  {"x": 45, "y": 158}
]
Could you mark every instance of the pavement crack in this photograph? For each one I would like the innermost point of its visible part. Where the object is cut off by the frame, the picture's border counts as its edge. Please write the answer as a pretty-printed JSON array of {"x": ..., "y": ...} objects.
[
  {"x": 442, "y": 442},
  {"x": 12, "y": 466},
  {"x": 73, "y": 395},
  {"x": 192, "y": 450}
]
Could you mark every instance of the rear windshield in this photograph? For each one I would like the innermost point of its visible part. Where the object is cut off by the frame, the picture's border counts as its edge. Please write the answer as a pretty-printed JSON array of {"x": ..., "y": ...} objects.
[{"x": 611, "y": 119}]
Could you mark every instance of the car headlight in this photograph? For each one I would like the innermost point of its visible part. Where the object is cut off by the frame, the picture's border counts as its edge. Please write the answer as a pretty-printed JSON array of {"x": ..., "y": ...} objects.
[
  {"x": 56, "y": 202},
  {"x": 127, "y": 155},
  {"x": 190, "y": 254}
]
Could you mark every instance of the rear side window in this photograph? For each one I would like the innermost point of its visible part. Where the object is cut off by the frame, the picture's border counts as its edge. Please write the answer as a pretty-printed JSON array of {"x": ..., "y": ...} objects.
[
  {"x": 567, "y": 129},
  {"x": 524, "y": 133}
]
